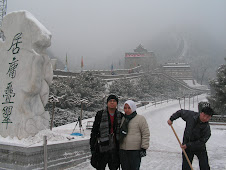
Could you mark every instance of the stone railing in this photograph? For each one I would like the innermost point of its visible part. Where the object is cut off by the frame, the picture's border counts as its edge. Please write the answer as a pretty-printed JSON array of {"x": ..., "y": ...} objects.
[
  {"x": 59, "y": 156},
  {"x": 218, "y": 118}
]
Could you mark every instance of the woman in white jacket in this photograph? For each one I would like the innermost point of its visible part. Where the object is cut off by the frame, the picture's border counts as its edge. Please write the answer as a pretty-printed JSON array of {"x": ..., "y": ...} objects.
[{"x": 134, "y": 137}]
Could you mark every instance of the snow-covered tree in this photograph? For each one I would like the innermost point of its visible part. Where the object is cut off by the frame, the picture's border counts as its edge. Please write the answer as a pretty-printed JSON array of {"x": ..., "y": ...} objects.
[
  {"x": 71, "y": 90},
  {"x": 218, "y": 91},
  {"x": 147, "y": 87},
  {"x": 122, "y": 87}
]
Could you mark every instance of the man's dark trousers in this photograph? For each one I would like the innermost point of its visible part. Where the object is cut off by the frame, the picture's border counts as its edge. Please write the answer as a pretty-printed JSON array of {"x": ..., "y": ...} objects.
[
  {"x": 110, "y": 158},
  {"x": 203, "y": 160}
]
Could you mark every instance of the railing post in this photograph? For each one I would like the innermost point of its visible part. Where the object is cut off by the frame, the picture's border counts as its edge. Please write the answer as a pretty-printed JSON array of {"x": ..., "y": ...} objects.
[
  {"x": 189, "y": 101},
  {"x": 193, "y": 100},
  {"x": 51, "y": 126},
  {"x": 80, "y": 121},
  {"x": 179, "y": 103},
  {"x": 45, "y": 151},
  {"x": 167, "y": 97},
  {"x": 155, "y": 103}
]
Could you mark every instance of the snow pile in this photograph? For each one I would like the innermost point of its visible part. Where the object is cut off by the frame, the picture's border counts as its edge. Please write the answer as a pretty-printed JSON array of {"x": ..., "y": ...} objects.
[{"x": 60, "y": 134}]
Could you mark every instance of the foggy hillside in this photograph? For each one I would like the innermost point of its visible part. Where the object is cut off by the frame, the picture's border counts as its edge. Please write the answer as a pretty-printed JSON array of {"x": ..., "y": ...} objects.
[
  {"x": 102, "y": 32},
  {"x": 204, "y": 53}
]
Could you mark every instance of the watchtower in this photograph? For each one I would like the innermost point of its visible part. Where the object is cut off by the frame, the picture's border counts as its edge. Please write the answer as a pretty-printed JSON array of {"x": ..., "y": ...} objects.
[{"x": 140, "y": 57}]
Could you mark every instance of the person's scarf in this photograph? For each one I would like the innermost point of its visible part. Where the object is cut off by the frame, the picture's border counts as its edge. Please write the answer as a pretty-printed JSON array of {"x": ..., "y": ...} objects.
[
  {"x": 124, "y": 127},
  {"x": 105, "y": 128}
]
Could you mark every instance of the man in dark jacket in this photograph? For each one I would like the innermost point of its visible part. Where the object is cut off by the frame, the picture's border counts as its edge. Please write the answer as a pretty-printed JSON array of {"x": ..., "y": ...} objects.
[
  {"x": 104, "y": 138},
  {"x": 196, "y": 134}
]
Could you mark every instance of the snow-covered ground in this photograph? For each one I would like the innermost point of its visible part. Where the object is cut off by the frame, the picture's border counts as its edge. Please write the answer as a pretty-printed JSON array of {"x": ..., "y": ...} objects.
[{"x": 164, "y": 152}]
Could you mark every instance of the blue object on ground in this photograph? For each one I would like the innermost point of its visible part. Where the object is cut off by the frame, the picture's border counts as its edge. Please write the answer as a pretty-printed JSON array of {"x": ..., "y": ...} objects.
[{"x": 77, "y": 134}]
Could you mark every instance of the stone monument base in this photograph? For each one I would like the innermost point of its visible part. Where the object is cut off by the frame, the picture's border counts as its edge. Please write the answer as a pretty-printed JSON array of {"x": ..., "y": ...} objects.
[{"x": 60, "y": 156}]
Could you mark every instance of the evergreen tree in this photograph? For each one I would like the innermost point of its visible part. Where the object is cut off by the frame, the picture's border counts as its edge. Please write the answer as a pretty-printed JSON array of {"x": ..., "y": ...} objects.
[{"x": 217, "y": 98}]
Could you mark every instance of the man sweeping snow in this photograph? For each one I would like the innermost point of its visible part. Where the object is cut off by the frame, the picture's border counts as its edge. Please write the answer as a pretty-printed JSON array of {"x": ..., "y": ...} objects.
[{"x": 196, "y": 134}]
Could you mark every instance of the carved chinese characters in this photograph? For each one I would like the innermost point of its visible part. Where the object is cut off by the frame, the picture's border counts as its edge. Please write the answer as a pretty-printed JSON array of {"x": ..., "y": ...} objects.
[{"x": 25, "y": 76}]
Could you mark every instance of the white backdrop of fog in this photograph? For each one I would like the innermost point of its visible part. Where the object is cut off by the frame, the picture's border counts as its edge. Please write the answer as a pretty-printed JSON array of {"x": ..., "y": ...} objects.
[{"x": 103, "y": 30}]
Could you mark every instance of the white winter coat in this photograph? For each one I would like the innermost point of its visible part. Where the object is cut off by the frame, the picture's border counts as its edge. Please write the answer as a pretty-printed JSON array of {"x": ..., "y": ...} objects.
[{"x": 138, "y": 134}]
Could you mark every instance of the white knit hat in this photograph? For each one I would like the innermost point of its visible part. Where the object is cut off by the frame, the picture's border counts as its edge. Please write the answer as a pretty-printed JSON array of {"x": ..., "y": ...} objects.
[{"x": 131, "y": 104}]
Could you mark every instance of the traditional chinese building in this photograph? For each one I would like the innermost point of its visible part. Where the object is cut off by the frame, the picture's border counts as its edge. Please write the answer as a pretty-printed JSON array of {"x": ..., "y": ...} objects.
[
  {"x": 140, "y": 57},
  {"x": 178, "y": 70}
]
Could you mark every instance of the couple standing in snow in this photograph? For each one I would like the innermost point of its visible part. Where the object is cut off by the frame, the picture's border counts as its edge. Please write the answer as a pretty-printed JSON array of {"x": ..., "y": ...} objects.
[{"x": 118, "y": 139}]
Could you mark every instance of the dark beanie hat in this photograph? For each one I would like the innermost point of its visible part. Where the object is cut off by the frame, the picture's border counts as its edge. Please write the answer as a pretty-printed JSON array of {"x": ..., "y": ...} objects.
[
  {"x": 112, "y": 96},
  {"x": 201, "y": 105}
]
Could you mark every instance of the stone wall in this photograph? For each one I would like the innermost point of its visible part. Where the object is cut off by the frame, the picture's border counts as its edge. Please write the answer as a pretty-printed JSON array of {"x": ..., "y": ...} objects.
[
  {"x": 218, "y": 118},
  {"x": 60, "y": 156}
]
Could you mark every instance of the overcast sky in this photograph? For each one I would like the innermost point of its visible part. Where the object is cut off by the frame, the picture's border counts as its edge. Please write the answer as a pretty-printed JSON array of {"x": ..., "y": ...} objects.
[{"x": 103, "y": 30}]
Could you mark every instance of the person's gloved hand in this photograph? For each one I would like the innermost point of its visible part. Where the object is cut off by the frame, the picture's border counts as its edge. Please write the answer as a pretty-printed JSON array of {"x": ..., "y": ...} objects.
[{"x": 143, "y": 152}]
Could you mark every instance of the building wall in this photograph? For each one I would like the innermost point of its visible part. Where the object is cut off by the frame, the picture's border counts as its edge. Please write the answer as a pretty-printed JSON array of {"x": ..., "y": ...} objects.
[
  {"x": 178, "y": 70},
  {"x": 140, "y": 57}
]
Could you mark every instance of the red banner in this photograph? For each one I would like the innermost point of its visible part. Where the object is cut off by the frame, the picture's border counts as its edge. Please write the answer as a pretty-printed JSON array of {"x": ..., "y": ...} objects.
[{"x": 134, "y": 55}]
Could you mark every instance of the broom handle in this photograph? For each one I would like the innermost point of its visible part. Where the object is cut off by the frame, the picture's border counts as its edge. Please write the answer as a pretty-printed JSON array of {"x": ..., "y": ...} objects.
[{"x": 186, "y": 156}]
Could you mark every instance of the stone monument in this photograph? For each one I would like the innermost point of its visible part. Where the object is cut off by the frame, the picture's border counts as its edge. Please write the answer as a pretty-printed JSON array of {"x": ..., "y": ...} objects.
[{"x": 25, "y": 76}]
